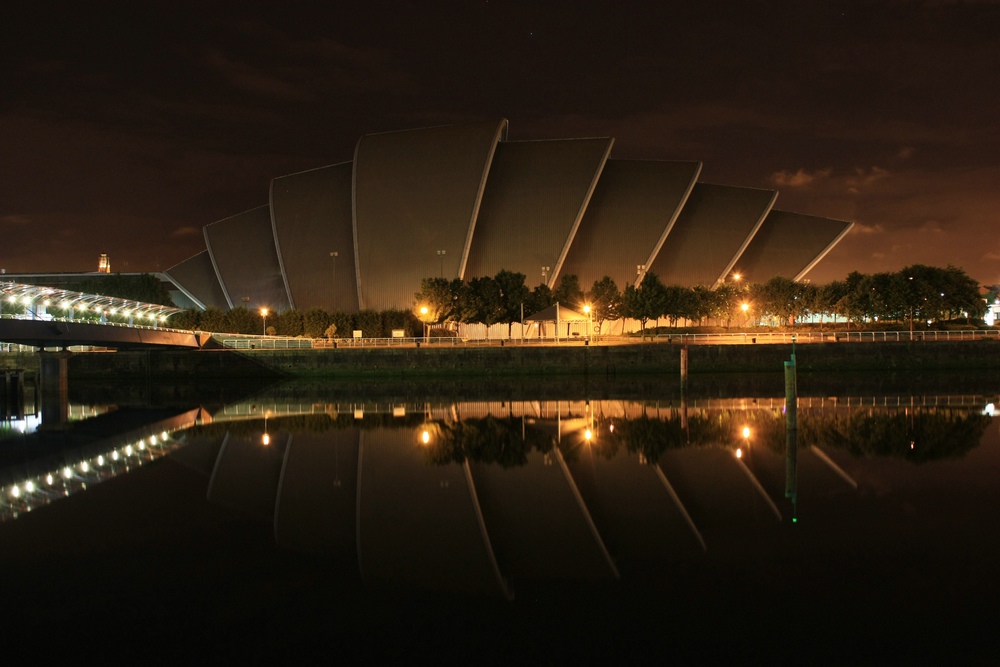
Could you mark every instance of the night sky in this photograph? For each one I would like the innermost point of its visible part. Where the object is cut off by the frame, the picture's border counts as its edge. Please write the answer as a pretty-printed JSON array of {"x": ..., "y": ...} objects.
[{"x": 125, "y": 128}]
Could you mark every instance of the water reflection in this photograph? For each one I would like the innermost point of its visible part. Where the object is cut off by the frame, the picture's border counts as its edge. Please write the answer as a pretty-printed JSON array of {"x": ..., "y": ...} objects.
[{"x": 489, "y": 497}]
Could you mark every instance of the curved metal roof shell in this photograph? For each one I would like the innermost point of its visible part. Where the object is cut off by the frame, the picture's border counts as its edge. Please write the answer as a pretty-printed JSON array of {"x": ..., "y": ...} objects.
[
  {"x": 535, "y": 197},
  {"x": 460, "y": 201},
  {"x": 196, "y": 278},
  {"x": 421, "y": 190},
  {"x": 311, "y": 219},
  {"x": 789, "y": 244},
  {"x": 714, "y": 227},
  {"x": 245, "y": 260},
  {"x": 633, "y": 209}
]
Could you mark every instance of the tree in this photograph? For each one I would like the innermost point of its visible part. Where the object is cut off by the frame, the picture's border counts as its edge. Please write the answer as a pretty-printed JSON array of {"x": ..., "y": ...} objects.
[
  {"x": 288, "y": 323},
  {"x": 315, "y": 322},
  {"x": 242, "y": 321},
  {"x": 513, "y": 294},
  {"x": 440, "y": 297},
  {"x": 187, "y": 319},
  {"x": 646, "y": 302},
  {"x": 370, "y": 323},
  {"x": 605, "y": 301},
  {"x": 482, "y": 302},
  {"x": 213, "y": 320},
  {"x": 568, "y": 291}
]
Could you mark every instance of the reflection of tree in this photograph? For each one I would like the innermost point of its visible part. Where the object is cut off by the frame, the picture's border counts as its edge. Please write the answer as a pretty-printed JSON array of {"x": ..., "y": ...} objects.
[
  {"x": 917, "y": 436},
  {"x": 486, "y": 440}
]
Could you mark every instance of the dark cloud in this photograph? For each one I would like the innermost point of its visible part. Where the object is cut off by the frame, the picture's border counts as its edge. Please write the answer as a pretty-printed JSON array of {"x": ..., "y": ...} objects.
[{"x": 128, "y": 126}]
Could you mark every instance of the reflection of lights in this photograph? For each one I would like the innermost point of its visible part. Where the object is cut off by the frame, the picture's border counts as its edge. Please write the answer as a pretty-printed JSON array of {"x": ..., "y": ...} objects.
[
  {"x": 425, "y": 437},
  {"x": 588, "y": 434},
  {"x": 739, "y": 453},
  {"x": 746, "y": 432},
  {"x": 612, "y": 428},
  {"x": 988, "y": 410},
  {"x": 265, "y": 439}
]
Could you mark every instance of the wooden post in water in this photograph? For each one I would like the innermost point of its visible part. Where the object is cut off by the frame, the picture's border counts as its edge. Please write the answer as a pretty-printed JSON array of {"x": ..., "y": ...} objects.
[
  {"x": 684, "y": 369},
  {"x": 791, "y": 435}
]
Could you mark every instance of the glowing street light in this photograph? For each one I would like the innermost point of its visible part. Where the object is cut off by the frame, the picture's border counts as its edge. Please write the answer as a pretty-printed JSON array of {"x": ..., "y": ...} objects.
[
  {"x": 590, "y": 323},
  {"x": 263, "y": 314}
]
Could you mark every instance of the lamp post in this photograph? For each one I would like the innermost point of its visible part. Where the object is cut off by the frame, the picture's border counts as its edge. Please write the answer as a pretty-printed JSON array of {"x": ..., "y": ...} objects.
[
  {"x": 333, "y": 287},
  {"x": 423, "y": 318},
  {"x": 263, "y": 314},
  {"x": 590, "y": 323},
  {"x": 441, "y": 254},
  {"x": 745, "y": 307}
]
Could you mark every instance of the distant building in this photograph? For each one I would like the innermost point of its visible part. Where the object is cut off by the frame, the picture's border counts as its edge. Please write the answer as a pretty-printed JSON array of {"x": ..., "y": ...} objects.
[
  {"x": 462, "y": 201},
  {"x": 104, "y": 264}
]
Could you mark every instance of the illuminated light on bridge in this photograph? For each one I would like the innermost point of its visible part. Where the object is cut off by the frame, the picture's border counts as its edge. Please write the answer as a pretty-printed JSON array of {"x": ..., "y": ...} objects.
[{"x": 37, "y": 490}]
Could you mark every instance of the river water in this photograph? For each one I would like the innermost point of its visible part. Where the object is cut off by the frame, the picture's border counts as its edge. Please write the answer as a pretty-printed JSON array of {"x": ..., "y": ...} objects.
[{"x": 541, "y": 524}]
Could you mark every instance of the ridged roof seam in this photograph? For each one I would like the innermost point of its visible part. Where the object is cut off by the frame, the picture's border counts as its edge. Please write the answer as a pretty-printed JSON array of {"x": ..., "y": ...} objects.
[
  {"x": 500, "y": 132},
  {"x": 819, "y": 257},
  {"x": 580, "y": 212},
  {"x": 746, "y": 242},
  {"x": 670, "y": 224},
  {"x": 277, "y": 245}
]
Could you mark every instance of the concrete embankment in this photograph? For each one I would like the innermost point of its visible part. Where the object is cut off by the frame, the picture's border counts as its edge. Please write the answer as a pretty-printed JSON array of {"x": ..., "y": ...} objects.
[{"x": 533, "y": 361}]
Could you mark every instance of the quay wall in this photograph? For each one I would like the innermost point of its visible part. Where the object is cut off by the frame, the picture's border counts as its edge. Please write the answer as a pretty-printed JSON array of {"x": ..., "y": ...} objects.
[{"x": 533, "y": 360}]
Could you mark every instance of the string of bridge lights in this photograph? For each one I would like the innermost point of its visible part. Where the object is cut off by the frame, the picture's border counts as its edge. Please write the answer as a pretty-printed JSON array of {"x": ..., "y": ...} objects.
[
  {"x": 37, "y": 490},
  {"x": 37, "y": 299}
]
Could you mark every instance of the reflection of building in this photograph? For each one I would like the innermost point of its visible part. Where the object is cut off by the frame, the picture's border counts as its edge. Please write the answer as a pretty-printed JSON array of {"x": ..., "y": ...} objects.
[{"x": 462, "y": 201}]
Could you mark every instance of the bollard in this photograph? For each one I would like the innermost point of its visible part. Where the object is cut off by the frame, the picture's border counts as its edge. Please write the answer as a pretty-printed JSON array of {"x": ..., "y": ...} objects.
[{"x": 684, "y": 369}]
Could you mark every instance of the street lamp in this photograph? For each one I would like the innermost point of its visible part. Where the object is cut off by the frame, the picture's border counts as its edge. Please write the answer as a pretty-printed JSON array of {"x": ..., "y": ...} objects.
[
  {"x": 745, "y": 307},
  {"x": 334, "y": 255},
  {"x": 423, "y": 318},
  {"x": 263, "y": 314}
]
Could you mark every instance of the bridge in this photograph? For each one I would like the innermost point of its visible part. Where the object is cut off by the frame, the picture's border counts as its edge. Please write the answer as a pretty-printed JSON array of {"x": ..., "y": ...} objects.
[{"x": 86, "y": 319}]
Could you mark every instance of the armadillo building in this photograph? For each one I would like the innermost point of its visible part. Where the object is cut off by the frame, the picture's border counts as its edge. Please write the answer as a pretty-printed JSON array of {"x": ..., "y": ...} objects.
[{"x": 462, "y": 201}]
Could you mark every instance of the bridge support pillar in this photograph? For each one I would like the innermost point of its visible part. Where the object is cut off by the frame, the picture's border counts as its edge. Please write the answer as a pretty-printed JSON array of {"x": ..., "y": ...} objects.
[{"x": 54, "y": 381}]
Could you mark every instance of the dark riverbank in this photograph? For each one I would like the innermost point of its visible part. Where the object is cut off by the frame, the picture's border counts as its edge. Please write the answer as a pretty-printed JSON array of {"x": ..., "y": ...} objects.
[{"x": 536, "y": 361}]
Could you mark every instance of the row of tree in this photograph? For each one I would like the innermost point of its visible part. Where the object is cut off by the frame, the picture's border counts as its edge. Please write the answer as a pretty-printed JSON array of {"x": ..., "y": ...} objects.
[{"x": 916, "y": 293}]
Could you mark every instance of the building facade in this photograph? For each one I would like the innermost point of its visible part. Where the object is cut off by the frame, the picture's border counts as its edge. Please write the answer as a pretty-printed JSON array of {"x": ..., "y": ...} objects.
[{"x": 461, "y": 201}]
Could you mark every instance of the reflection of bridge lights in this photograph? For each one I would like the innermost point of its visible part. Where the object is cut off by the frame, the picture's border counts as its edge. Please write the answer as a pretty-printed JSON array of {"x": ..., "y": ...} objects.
[
  {"x": 266, "y": 440},
  {"x": 425, "y": 437}
]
